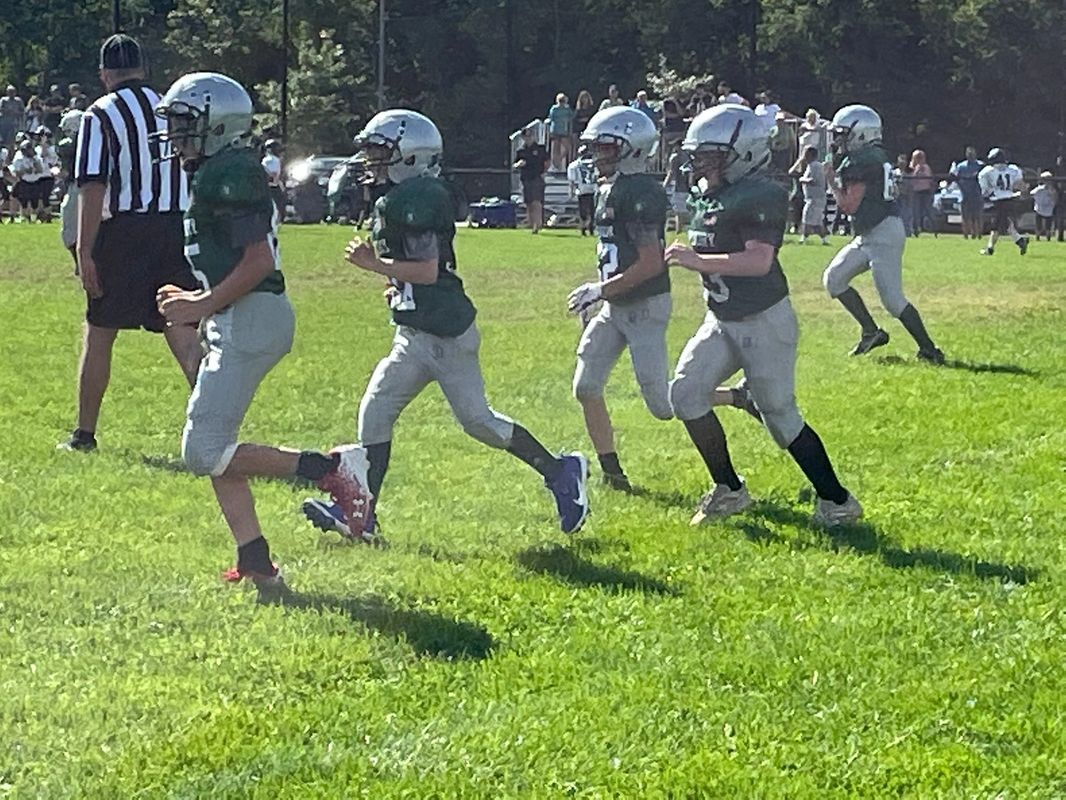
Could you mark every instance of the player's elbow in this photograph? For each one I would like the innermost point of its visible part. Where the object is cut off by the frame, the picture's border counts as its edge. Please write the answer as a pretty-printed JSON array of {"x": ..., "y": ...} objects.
[
  {"x": 424, "y": 272},
  {"x": 759, "y": 257}
]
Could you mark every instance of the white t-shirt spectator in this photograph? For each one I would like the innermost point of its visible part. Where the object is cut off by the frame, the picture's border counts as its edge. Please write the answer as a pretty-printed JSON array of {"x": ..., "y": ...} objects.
[
  {"x": 813, "y": 182},
  {"x": 28, "y": 168},
  {"x": 997, "y": 181},
  {"x": 732, "y": 97},
  {"x": 272, "y": 167},
  {"x": 49, "y": 157},
  {"x": 582, "y": 176},
  {"x": 1044, "y": 200}
]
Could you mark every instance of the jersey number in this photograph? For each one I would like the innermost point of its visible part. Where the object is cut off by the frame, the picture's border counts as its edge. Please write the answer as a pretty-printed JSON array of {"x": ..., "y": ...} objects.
[
  {"x": 716, "y": 288},
  {"x": 1003, "y": 182},
  {"x": 403, "y": 299},
  {"x": 607, "y": 258}
]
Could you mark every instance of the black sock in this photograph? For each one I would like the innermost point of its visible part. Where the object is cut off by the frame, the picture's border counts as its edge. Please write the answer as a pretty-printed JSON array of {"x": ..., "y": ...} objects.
[
  {"x": 707, "y": 434},
  {"x": 314, "y": 466},
  {"x": 850, "y": 299},
  {"x": 378, "y": 456},
  {"x": 609, "y": 464},
  {"x": 82, "y": 435},
  {"x": 255, "y": 556},
  {"x": 809, "y": 452},
  {"x": 532, "y": 452},
  {"x": 912, "y": 321}
]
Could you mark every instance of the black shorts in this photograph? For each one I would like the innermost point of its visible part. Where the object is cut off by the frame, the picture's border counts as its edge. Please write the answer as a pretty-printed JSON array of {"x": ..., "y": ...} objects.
[
  {"x": 533, "y": 191},
  {"x": 5, "y": 193},
  {"x": 135, "y": 254},
  {"x": 28, "y": 192},
  {"x": 586, "y": 205},
  {"x": 1007, "y": 212}
]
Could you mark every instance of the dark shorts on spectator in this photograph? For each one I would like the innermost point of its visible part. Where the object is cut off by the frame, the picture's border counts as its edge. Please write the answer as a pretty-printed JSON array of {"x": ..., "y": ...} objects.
[{"x": 533, "y": 191}]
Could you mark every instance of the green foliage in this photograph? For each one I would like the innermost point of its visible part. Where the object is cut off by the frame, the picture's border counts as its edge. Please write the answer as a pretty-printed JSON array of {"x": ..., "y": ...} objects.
[{"x": 487, "y": 655}]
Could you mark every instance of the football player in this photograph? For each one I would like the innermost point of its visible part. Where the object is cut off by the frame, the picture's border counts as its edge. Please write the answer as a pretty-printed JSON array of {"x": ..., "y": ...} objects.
[
  {"x": 436, "y": 340},
  {"x": 67, "y": 150},
  {"x": 738, "y": 221},
  {"x": 860, "y": 177},
  {"x": 246, "y": 320},
  {"x": 630, "y": 218},
  {"x": 1003, "y": 183}
]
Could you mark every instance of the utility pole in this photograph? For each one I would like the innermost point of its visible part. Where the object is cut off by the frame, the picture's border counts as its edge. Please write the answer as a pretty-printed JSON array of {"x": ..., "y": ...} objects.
[
  {"x": 116, "y": 15},
  {"x": 381, "y": 55},
  {"x": 284, "y": 70}
]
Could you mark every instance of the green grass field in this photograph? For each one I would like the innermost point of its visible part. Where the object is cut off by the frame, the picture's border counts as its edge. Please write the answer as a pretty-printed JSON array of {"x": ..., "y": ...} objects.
[{"x": 487, "y": 655}]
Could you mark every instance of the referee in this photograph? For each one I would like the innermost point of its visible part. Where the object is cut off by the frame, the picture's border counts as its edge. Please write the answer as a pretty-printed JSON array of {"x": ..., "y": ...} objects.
[{"x": 130, "y": 233}]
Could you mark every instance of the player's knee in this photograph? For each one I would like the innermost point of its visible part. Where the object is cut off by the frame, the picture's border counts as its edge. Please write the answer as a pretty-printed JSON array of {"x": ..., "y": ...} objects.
[
  {"x": 587, "y": 386},
  {"x": 687, "y": 399},
  {"x": 784, "y": 424},
  {"x": 489, "y": 429},
  {"x": 657, "y": 399},
  {"x": 204, "y": 454},
  {"x": 834, "y": 281}
]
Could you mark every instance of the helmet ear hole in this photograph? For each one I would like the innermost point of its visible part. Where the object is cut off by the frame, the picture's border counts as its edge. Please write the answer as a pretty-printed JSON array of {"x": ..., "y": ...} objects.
[{"x": 409, "y": 161}]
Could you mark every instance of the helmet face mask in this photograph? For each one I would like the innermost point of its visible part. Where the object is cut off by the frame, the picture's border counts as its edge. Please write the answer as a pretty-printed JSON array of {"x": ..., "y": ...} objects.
[
  {"x": 186, "y": 132},
  {"x": 710, "y": 164},
  {"x": 604, "y": 154}
]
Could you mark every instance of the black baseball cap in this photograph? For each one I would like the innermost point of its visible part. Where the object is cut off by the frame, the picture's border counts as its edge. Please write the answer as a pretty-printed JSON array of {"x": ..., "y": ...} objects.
[{"x": 121, "y": 51}]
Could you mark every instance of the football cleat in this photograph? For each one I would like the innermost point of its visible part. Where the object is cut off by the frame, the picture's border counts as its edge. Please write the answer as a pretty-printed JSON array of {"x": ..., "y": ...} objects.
[
  {"x": 79, "y": 442},
  {"x": 570, "y": 491},
  {"x": 328, "y": 516},
  {"x": 934, "y": 356},
  {"x": 987, "y": 251},
  {"x": 347, "y": 484},
  {"x": 617, "y": 481},
  {"x": 262, "y": 581},
  {"x": 828, "y": 514},
  {"x": 869, "y": 341},
  {"x": 721, "y": 502},
  {"x": 742, "y": 399},
  {"x": 1023, "y": 245}
]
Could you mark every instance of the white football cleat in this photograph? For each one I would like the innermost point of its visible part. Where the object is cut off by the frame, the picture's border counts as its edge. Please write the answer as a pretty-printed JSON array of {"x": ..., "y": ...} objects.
[
  {"x": 828, "y": 514},
  {"x": 347, "y": 484},
  {"x": 721, "y": 502}
]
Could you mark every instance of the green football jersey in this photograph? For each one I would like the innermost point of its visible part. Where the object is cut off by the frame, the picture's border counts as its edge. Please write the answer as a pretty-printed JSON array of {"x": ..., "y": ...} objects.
[
  {"x": 871, "y": 167},
  {"x": 627, "y": 209},
  {"x": 404, "y": 216},
  {"x": 231, "y": 208},
  {"x": 753, "y": 209}
]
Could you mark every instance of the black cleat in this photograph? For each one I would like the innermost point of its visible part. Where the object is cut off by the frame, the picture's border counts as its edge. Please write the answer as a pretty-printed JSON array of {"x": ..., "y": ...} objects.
[
  {"x": 934, "y": 356},
  {"x": 1023, "y": 245},
  {"x": 79, "y": 441},
  {"x": 617, "y": 481},
  {"x": 869, "y": 341}
]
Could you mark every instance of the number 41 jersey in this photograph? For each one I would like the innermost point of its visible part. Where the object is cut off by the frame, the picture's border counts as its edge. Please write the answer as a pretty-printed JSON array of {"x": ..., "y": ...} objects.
[{"x": 753, "y": 209}]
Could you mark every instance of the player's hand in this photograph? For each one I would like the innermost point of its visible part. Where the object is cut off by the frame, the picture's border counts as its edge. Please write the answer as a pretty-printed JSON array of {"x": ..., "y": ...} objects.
[
  {"x": 361, "y": 253},
  {"x": 184, "y": 308},
  {"x": 90, "y": 281},
  {"x": 584, "y": 296},
  {"x": 684, "y": 256}
]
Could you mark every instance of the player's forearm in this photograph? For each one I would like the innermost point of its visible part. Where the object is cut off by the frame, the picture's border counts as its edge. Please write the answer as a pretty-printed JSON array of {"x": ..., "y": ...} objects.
[
  {"x": 647, "y": 266},
  {"x": 752, "y": 262},
  {"x": 90, "y": 213},
  {"x": 424, "y": 272},
  {"x": 254, "y": 267}
]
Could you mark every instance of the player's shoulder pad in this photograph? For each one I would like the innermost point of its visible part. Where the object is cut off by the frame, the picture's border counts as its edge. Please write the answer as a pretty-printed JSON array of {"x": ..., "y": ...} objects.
[
  {"x": 764, "y": 193},
  {"x": 230, "y": 180},
  {"x": 423, "y": 203},
  {"x": 642, "y": 198}
]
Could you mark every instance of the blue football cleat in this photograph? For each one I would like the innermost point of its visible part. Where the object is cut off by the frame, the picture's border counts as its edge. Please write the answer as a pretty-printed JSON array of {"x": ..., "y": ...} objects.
[
  {"x": 569, "y": 490},
  {"x": 329, "y": 516}
]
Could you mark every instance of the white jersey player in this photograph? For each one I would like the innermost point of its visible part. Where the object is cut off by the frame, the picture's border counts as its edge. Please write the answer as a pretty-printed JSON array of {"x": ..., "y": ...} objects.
[{"x": 1002, "y": 184}]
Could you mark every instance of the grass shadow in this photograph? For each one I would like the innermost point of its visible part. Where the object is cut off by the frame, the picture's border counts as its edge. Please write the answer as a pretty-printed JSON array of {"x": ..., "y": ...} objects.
[
  {"x": 672, "y": 499},
  {"x": 177, "y": 466},
  {"x": 429, "y": 634},
  {"x": 867, "y": 539},
  {"x": 968, "y": 366},
  {"x": 566, "y": 565}
]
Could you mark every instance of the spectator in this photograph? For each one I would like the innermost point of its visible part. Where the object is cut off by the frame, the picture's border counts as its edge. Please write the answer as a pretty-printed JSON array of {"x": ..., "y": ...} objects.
[
  {"x": 813, "y": 133},
  {"x": 727, "y": 95},
  {"x": 46, "y": 151},
  {"x": 641, "y": 104},
  {"x": 964, "y": 173},
  {"x": 531, "y": 161},
  {"x": 560, "y": 131},
  {"x": 12, "y": 116},
  {"x": 582, "y": 177},
  {"x": 904, "y": 192},
  {"x": 676, "y": 184},
  {"x": 76, "y": 94},
  {"x": 612, "y": 98},
  {"x": 813, "y": 185},
  {"x": 922, "y": 185},
  {"x": 272, "y": 167},
  {"x": 584, "y": 108},
  {"x": 68, "y": 210},
  {"x": 1044, "y": 199},
  {"x": 702, "y": 99},
  {"x": 767, "y": 110},
  {"x": 673, "y": 123},
  {"x": 5, "y": 194},
  {"x": 54, "y": 105},
  {"x": 34, "y": 115},
  {"x": 29, "y": 172}
]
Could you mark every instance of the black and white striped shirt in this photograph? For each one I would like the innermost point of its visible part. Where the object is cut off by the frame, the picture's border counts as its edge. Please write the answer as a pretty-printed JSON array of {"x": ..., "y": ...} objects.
[{"x": 114, "y": 148}]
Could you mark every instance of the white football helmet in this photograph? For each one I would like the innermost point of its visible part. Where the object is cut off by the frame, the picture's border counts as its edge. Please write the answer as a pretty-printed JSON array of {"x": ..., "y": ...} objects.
[
  {"x": 855, "y": 128},
  {"x": 727, "y": 143},
  {"x": 404, "y": 144},
  {"x": 206, "y": 112},
  {"x": 631, "y": 130}
]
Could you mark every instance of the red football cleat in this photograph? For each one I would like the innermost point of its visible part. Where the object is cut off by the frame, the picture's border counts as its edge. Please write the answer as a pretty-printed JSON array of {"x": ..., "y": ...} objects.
[{"x": 347, "y": 485}]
